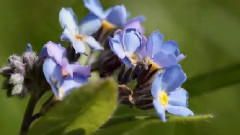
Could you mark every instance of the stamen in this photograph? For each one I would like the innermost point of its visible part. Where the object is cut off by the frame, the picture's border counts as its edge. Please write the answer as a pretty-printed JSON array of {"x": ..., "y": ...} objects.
[
  {"x": 79, "y": 37},
  {"x": 64, "y": 73},
  {"x": 163, "y": 98}
]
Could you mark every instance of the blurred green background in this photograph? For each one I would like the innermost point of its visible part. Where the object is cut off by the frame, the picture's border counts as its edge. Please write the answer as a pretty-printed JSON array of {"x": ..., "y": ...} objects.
[{"x": 207, "y": 32}]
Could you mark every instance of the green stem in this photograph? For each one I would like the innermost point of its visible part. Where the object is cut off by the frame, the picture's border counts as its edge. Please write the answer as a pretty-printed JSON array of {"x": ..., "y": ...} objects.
[
  {"x": 89, "y": 58},
  {"x": 27, "y": 119}
]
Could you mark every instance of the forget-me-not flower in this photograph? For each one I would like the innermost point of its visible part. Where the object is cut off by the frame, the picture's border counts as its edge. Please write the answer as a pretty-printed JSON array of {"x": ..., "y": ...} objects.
[
  {"x": 111, "y": 18},
  {"x": 79, "y": 35},
  {"x": 59, "y": 73},
  {"x": 136, "y": 23},
  {"x": 161, "y": 54},
  {"x": 125, "y": 45},
  {"x": 168, "y": 95}
]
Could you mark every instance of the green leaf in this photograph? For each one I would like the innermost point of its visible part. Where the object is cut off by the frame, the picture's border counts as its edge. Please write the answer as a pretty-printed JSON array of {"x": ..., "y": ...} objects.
[
  {"x": 82, "y": 112},
  {"x": 212, "y": 81},
  {"x": 128, "y": 120}
]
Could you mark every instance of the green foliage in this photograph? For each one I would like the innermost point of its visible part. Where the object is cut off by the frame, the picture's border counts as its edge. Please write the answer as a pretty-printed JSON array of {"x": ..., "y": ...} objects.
[{"x": 82, "y": 112}]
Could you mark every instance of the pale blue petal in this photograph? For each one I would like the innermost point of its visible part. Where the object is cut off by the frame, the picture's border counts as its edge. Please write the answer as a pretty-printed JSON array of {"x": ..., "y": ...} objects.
[
  {"x": 136, "y": 23},
  {"x": 68, "y": 19},
  {"x": 29, "y": 48},
  {"x": 157, "y": 85},
  {"x": 159, "y": 108},
  {"x": 179, "y": 110},
  {"x": 66, "y": 66},
  {"x": 67, "y": 35},
  {"x": 116, "y": 45},
  {"x": 178, "y": 97},
  {"x": 52, "y": 71},
  {"x": 79, "y": 46},
  {"x": 118, "y": 16},
  {"x": 181, "y": 57},
  {"x": 81, "y": 70},
  {"x": 142, "y": 52},
  {"x": 165, "y": 60},
  {"x": 154, "y": 43},
  {"x": 132, "y": 40},
  {"x": 53, "y": 50},
  {"x": 93, "y": 44},
  {"x": 170, "y": 47},
  {"x": 173, "y": 77},
  {"x": 70, "y": 84},
  {"x": 90, "y": 24},
  {"x": 95, "y": 7}
]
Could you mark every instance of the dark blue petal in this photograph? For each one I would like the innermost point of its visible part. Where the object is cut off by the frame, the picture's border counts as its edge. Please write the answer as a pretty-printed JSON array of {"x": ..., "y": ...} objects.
[
  {"x": 159, "y": 108},
  {"x": 154, "y": 43},
  {"x": 117, "y": 16},
  {"x": 29, "y": 48},
  {"x": 179, "y": 110},
  {"x": 132, "y": 40},
  {"x": 68, "y": 19},
  {"x": 173, "y": 77},
  {"x": 90, "y": 24},
  {"x": 126, "y": 60},
  {"x": 178, "y": 97},
  {"x": 95, "y": 7},
  {"x": 81, "y": 70},
  {"x": 164, "y": 60}
]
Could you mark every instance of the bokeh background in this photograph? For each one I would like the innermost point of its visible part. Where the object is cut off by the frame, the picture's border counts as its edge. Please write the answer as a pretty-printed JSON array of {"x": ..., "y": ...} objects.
[{"x": 207, "y": 32}]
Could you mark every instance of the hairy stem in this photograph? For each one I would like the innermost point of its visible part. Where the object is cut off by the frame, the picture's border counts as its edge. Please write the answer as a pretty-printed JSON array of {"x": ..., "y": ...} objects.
[{"x": 27, "y": 119}]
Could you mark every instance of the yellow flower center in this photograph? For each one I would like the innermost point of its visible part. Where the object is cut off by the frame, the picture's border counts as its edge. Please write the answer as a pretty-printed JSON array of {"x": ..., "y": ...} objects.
[
  {"x": 133, "y": 58},
  {"x": 64, "y": 73},
  {"x": 107, "y": 26},
  {"x": 163, "y": 98},
  {"x": 154, "y": 66},
  {"x": 79, "y": 37},
  {"x": 61, "y": 92}
]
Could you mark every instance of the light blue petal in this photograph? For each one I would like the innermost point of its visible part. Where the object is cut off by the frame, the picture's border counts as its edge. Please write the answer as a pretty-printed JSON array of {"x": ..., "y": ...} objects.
[
  {"x": 132, "y": 40},
  {"x": 154, "y": 43},
  {"x": 181, "y": 57},
  {"x": 126, "y": 60},
  {"x": 165, "y": 60},
  {"x": 93, "y": 44},
  {"x": 170, "y": 47},
  {"x": 95, "y": 7},
  {"x": 173, "y": 77},
  {"x": 159, "y": 108},
  {"x": 116, "y": 45},
  {"x": 70, "y": 84},
  {"x": 136, "y": 23},
  {"x": 79, "y": 46},
  {"x": 53, "y": 50},
  {"x": 67, "y": 35},
  {"x": 179, "y": 110},
  {"x": 90, "y": 24},
  {"x": 142, "y": 52},
  {"x": 52, "y": 71},
  {"x": 68, "y": 19},
  {"x": 29, "y": 48},
  {"x": 118, "y": 16},
  {"x": 178, "y": 97},
  {"x": 157, "y": 85},
  {"x": 81, "y": 70}
]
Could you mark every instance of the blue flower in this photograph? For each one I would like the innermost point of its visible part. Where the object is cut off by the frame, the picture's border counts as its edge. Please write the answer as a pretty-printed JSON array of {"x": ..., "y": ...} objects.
[
  {"x": 111, "y": 18},
  {"x": 62, "y": 76},
  {"x": 136, "y": 23},
  {"x": 125, "y": 44},
  {"x": 79, "y": 35},
  {"x": 161, "y": 54},
  {"x": 168, "y": 95}
]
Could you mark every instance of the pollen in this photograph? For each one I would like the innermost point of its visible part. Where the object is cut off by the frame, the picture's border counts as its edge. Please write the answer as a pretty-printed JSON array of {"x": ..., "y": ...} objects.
[
  {"x": 64, "y": 73},
  {"x": 79, "y": 37},
  {"x": 61, "y": 92},
  {"x": 133, "y": 58},
  {"x": 154, "y": 65},
  {"x": 163, "y": 98}
]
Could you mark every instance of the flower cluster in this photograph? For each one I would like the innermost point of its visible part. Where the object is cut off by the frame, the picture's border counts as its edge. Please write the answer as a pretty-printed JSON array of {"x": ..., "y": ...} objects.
[{"x": 152, "y": 62}]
